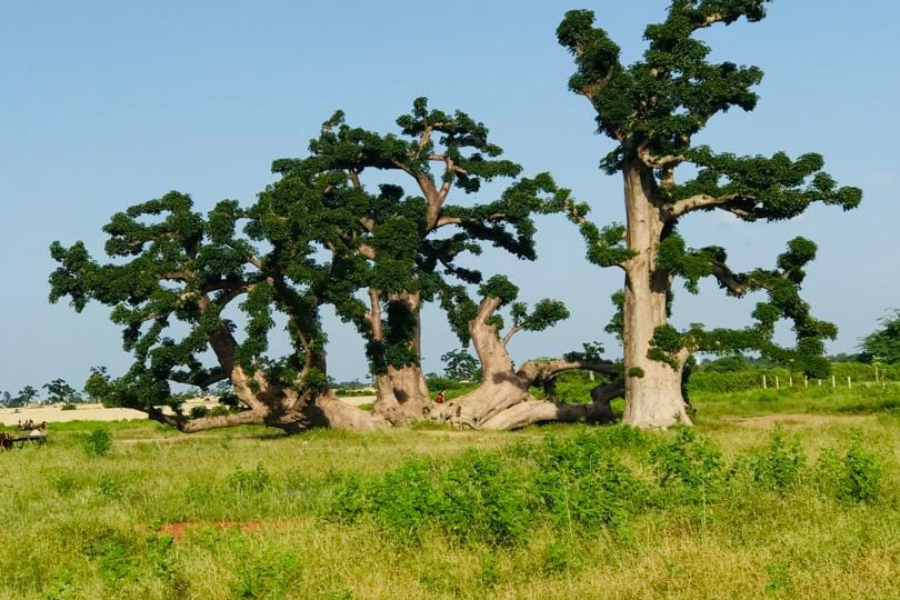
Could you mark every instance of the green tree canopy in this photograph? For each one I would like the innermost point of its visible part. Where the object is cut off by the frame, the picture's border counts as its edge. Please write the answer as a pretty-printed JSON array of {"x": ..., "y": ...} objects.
[
  {"x": 179, "y": 283},
  {"x": 652, "y": 110},
  {"x": 405, "y": 238},
  {"x": 883, "y": 345}
]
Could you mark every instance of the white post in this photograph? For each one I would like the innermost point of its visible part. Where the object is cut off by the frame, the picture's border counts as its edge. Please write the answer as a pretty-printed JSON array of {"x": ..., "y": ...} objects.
[
  {"x": 791, "y": 381},
  {"x": 833, "y": 382},
  {"x": 849, "y": 383},
  {"x": 805, "y": 381},
  {"x": 820, "y": 382},
  {"x": 765, "y": 386},
  {"x": 777, "y": 383}
]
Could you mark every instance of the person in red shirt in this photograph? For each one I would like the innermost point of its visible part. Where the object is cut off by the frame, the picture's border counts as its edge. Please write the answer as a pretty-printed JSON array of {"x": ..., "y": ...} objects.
[{"x": 439, "y": 399}]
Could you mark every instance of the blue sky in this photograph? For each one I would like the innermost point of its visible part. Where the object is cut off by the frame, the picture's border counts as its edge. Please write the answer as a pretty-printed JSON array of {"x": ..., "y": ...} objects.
[{"x": 104, "y": 104}]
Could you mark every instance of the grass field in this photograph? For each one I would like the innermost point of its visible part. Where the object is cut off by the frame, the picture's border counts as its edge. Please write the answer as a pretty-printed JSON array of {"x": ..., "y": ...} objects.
[{"x": 415, "y": 513}]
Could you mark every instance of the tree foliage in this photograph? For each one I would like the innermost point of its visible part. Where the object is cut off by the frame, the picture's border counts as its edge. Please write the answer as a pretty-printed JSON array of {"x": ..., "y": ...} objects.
[
  {"x": 60, "y": 391},
  {"x": 405, "y": 242},
  {"x": 883, "y": 345},
  {"x": 459, "y": 365},
  {"x": 652, "y": 109},
  {"x": 178, "y": 282}
]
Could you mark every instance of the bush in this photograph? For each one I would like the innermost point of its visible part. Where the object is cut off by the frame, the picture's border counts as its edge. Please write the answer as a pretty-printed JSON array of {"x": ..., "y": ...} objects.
[
  {"x": 688, "y": 467},
  {"x": 584, "y": 485},
  {"x": 855, "y": 475},
  {"x": 407, "y": 498},
  {"x": 781, "y": 466},
  {"x": 249, "y": 482},
  {"x": 98, "y": 442},
  {"x": 485, "y": 500},
  {"x": 473, "y": 498}
]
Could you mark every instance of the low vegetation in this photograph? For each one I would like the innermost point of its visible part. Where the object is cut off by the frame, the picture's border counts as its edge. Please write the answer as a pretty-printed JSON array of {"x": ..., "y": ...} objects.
[{"x": 781, "y": 497}]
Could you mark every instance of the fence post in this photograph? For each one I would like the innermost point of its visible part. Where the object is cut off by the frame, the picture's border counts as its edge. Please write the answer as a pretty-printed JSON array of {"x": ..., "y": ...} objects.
[
  {"x": 777, "y": 383},
  {"x": 764, "y": 383},
  {"x": 833, "y": 382},
  {"x": 849, "y": 383},
  {"x": 791, "y": 381},
  {"x": 806, "y": 381}
]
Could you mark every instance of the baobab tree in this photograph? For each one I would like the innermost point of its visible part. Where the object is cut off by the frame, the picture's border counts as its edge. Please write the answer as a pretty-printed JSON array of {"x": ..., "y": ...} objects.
[
  {"x": 411, "y": 241},
  {"x": 652, "y": 110},
  {"x": 176, "y": 271},
  {"x": 503, "y": 400}
]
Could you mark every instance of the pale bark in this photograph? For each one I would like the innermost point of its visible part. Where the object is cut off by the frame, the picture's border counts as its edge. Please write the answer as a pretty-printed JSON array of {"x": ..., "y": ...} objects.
[
  {"x": 289, "y": 407},
  {"x": 282, "y": 408},
  {"x": 653, "y": 398},
  {"x": 503, "y": 400},
  {"x": 402, "y": 392}
]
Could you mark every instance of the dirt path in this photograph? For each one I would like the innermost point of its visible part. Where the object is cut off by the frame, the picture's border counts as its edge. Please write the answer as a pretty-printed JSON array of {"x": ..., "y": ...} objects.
[{"x": 797, "y": 420}]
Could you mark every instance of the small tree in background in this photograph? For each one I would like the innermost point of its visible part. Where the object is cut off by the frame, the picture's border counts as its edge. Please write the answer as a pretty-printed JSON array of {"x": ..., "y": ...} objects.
[
  {"x": 459, "y": 365},
  {"x": 26, "y": 395},
  {"x": 652, "y": 110},
  {"x": 60, "y": 391},
  {"x": 883, "y": 345}
]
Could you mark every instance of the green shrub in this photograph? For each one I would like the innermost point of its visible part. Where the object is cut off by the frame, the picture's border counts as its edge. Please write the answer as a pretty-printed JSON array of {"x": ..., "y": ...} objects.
[
  {"x": 485, "y": 500},
  {"x": 689, "y": 468},
  {"x": 781, "y": 466},
  {"x": 198, "y": 412},
  {"x": 473, "y": 498},
  {"x": 624, "y": 437},
  {"x": 249, "y": 482},
  {"x": 270, "y": 575},
  {"x": 118, "y": 564},
  {"x": 98, "y": 442},
  {"x": 407, "y": 499},
  {"x": 854, "y": 475},
  {"x": 351, "y": 499},
  {"x": 584, "y": 484}
]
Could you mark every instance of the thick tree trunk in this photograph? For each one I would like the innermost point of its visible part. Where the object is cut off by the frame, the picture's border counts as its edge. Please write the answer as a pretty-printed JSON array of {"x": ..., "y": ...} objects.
[
  {"x": 503, "y": 400},
  {"x": 285, "y": 409},
  {"x": 290, "y": 408},
  {"x": 402, "y": 393},
  {"x": 653, "y": 397}
]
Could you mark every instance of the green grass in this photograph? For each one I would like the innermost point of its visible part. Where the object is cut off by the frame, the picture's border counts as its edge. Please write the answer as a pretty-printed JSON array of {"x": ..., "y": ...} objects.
[{"x": 76, "y": 526}]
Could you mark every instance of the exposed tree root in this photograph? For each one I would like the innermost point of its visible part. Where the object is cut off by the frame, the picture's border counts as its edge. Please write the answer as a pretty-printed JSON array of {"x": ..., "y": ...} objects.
[{"x": 323, "y": 411}]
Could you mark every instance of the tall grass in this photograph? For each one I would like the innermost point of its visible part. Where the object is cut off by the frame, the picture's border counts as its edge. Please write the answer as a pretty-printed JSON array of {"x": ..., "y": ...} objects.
[{"x": 730, "y": 510}]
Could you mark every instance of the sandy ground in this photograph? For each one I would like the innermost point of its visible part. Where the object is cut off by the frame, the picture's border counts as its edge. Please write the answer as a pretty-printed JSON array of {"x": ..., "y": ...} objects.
[{"x": 96, "y": 412}]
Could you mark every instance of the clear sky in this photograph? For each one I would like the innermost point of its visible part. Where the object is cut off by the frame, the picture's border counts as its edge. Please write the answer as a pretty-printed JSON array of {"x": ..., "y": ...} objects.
[{"x": 108, "y": 103}]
